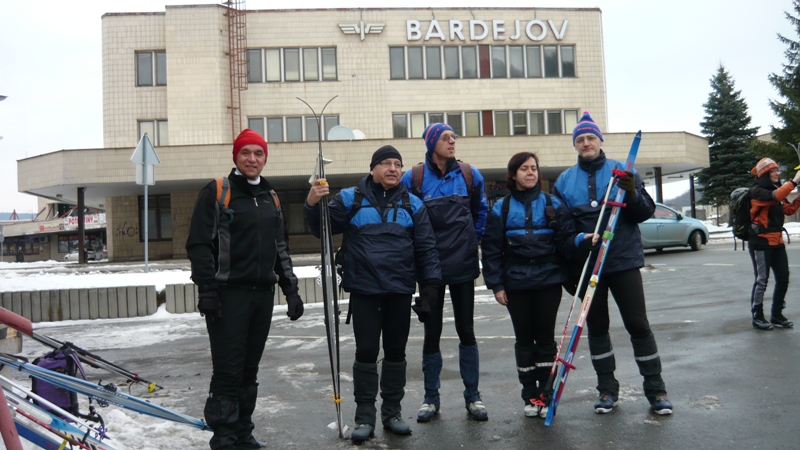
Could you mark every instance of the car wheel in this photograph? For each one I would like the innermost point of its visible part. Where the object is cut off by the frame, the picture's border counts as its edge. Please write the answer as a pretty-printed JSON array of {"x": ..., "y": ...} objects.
[
  {"x": 659, "y": 249},
  {"x": 695, "y": 240}
]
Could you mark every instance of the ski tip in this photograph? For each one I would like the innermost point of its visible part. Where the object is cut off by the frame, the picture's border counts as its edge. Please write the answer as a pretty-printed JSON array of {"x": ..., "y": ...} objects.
[{"x": 639, "y": 133}]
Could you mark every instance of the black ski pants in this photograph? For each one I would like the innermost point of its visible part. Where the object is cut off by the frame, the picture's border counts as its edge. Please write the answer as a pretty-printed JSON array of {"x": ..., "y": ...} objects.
[
  {"x": 628, "y": 291},
  {"x": 238, "y": 338},
  {"x": 763, "y": 260},
  {"x": 533, "y": 315},
  {"x": 462, "y": 296},
  {"x": 389, "y": 314}
]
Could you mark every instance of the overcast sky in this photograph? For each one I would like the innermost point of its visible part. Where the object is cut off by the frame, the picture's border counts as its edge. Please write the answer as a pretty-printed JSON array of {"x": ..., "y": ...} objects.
[{"x": 659, "y": 57}]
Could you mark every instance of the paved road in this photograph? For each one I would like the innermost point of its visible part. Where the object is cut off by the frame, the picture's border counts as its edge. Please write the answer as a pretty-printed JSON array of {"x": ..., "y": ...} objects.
[{"x": 732, "y": 386}]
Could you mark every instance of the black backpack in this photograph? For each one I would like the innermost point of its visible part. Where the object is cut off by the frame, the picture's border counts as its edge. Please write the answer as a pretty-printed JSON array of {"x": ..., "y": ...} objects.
[{"x": 739, "y": 215}]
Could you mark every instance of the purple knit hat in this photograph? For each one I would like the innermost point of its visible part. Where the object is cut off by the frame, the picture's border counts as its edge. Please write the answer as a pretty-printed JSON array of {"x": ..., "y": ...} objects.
[
  {"x": 432, "y": 134},
  {"x": 586, "y": 125}
]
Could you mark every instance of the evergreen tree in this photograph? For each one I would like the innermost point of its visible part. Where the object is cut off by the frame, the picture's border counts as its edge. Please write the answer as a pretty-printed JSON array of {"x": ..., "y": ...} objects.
[
  {"x": 726, "y": 125},
  {"x": 788, "y": 86}
]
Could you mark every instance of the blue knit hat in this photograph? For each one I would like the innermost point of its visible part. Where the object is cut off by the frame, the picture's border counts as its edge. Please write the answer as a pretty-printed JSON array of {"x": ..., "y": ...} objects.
[
  {"x": 432, "y": 134},
  {"x": 586, "y": 125}
]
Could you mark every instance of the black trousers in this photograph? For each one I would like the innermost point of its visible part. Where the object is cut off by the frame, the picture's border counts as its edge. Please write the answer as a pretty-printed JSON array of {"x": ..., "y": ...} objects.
[
  {"x": 533, "y": 315},
  {"x": 238, "y": 338},
  {"x": 462, "y": 296},
  {"x": 389, "y": 314},
  {"x": 626, "y": 287}
]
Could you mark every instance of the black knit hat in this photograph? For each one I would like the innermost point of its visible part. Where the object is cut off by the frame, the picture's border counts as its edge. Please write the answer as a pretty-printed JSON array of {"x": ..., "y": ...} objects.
[{"x": 385, "y": 152}]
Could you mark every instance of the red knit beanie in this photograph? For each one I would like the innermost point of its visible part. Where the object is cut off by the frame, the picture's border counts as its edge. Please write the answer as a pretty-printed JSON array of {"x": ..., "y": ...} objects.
[
  {"x": 763, "y": 167},
  {"x": 248, "y": 137}
]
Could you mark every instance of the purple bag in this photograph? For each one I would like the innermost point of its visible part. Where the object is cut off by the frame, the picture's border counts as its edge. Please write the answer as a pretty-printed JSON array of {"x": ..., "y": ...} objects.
[{"x": 62, "y": 360}]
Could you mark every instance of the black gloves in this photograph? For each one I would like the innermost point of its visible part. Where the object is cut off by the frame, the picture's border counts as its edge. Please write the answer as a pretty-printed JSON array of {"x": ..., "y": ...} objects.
[
  {"x": 628, "y": 184},
  {"x": 427, "y": 296},
  {"x": 294, "y": 306},
  {"x": 208, "y": 302}
]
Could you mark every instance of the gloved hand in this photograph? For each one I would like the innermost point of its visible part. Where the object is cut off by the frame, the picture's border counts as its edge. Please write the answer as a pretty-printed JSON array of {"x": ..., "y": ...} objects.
[
  {"x": 796, "y": 178},
  {"x": 427, "y": 296},
  {"x": 208, "y": 302},
  {"x": 294, "y": 306},
  {"x": 628, "y": 184}
]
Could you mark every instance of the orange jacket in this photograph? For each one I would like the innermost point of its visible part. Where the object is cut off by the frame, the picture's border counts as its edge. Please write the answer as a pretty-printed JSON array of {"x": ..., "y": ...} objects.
[{"x": 767, "y": 210}]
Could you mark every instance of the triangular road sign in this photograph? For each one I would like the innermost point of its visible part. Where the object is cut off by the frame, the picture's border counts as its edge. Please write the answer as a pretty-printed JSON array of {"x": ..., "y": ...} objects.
[{"x": 145, "y": 153}]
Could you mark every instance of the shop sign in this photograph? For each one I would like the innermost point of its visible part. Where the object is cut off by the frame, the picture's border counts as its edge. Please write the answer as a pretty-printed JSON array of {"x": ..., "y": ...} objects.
[
  {"x": 71, "y": 223},
  {"x": 51, "y": 227},
  {"x": 536, "y": 30}
]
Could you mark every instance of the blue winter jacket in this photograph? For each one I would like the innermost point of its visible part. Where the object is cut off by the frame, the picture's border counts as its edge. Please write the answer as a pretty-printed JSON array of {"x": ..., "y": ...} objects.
[
  {"x": 526, "y": 252},
  {"x": 625, "y": 250},
  {"x": 458, "y": 219},
  {"x": 386, "y": 245}
]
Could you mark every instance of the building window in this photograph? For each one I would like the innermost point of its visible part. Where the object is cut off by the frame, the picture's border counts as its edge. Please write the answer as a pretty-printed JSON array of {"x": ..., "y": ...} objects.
[
  {"x": 537, "y": 122},
  {"x": 397, "y": 63},
  {"x": 433, "y": 62},
  {"x": 436, "y": 117},
  {"x": 159, "y": 218},
  {"x": 454, "y": 120},
  {"x": 501, "y": 124},
  {"x": 157, "y": 131},
  {"x": 399, "y": 126},
  {"x": 451, "y": 62},
  {"x": 488, "y": 123},
  {"x": 550, "y": 61},
  {"x": 520, "y": 122},
  {"x": 570, "y": 119},
  {"x": 473, "y": 124},
  {"x": 151, "y": 68},
  {"x": 534, "y": 56},
  {"x": 516, "y": 65},
  {"x": 469, "y": 62},
  {"x": 417, "y": 125},
  {"x": 553, "y": 122},
  {"x": 567, "y": 61},
  {"x": 499, "y": 62},
  {"x": 415, "y": 63},
  {"x": 291, "y": 129},
  {"x": 267, "y": 66}
]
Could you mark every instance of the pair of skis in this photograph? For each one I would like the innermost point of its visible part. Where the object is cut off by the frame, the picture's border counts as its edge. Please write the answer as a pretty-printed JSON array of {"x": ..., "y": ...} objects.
[
  {"x": 562, "y": 366},
  {"x": 328, "y": 277}
]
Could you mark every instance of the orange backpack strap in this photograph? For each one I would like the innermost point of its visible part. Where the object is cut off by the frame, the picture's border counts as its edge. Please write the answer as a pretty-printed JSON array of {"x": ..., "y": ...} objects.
[
  {"x": 223, "y": 189},
  {"x": 466, "y": 170},
  {"x": 417, "y": 173},
  {"x": 275, "y": 198}
]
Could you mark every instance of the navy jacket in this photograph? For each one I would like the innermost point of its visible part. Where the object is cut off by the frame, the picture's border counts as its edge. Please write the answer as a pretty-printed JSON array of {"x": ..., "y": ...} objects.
[
  {"x": 527, "y": 252},
  {"x": 458, "y": 219},
  {"x": 625, "y": 251},
  {"x": 253, "y": 253},
  {"x": 386, "y": 246}
]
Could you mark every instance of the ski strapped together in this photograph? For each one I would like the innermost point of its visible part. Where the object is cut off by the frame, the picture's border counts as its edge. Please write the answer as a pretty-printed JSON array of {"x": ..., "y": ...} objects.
[
  {"x": 328, "y": 277},
  {"x": 23, "y": 325},
  {"x": 608, "y": 236},
  {"x": 103, "y": 394}
]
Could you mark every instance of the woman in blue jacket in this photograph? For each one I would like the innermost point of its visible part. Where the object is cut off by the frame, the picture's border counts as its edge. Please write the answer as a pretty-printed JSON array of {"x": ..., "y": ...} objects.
[{"x": 527, "y": 234}]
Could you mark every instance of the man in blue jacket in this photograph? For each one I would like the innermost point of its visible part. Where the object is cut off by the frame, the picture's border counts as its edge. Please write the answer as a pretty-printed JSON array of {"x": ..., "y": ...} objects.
[
  {"x": 582, "y": 188},
  {"x": 453, "y": 193},
  {"x": 388, "y": 239}
]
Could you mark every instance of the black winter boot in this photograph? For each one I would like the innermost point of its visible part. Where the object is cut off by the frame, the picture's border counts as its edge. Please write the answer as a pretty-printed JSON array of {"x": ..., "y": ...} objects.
[
  {"x": 777, "y": 317},
  {"x": 526, "y": 372},
  {"x": 759, "y": 321},
  {"x": 221, "y": 414},
  {"x": 244, "y": 426},
  {"x": 645, "y": 351},
  {"x": 365, "y": 390},
  {"x": 604, "y": 364},
  {"x": 393, "y": 383}
]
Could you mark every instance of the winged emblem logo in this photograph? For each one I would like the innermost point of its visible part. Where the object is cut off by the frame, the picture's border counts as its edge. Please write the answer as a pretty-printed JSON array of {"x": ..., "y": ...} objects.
[{"x": 361, "y": 28}]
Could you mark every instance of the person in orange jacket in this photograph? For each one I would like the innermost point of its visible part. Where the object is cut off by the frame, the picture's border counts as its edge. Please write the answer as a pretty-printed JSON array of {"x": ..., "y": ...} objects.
[{"x": 768, "y": 206}]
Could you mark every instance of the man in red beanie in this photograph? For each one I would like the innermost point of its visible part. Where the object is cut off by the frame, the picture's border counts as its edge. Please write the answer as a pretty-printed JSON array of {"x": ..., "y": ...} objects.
[
  {"x": 238, "y": 254},
  {"x": 768, "y": 206}
]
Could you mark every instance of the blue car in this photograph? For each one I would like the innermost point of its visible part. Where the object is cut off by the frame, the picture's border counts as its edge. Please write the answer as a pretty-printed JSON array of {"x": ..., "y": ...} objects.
[{"x": 669, "y": 228}]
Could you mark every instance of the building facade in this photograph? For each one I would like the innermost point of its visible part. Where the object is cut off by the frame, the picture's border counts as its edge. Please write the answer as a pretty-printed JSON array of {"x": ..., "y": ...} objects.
[{"x": 507, "y": 80}]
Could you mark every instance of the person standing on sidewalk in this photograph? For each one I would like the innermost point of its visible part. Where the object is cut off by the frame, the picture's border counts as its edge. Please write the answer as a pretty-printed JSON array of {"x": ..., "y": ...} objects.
[
  {"x": 582, "y": 188},
  {"x": 528, "y": 234},
  {"x": 453, "y": 193},
  {"x": 238, "y": 254},
  {"x": 388, "y": 240},
  {"x": 768, "y": 206}
]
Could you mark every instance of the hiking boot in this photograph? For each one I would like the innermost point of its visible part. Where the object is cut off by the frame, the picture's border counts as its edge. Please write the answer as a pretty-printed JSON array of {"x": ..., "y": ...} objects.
[
  {"x": 477, "y": 411},
  {"x": 605, "y": 403},
  {"x": 535, "y": 411},
  {"x": 780, "y": 321},
  {"x": 661, "y": 405},
  {"x": 761, "y": 323},
  {"x": 362, "y": 432},
  {"x": 250, "y": 443},
  {"x": 397, "y": 425},
  {"x": 426, "y": 412}
]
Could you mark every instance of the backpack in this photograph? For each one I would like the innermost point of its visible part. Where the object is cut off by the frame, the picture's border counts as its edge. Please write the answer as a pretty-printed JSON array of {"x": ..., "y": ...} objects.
[
  {"x": 739, "y": 215},
  {"x": 62, "y": 360},
  {"x": 418, "y": 173},
  {"x": 223, "y": 195},
  {"x": 552, "y": 222}
]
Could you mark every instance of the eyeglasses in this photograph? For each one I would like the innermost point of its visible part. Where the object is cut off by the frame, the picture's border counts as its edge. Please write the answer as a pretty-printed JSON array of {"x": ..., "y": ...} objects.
[
  {"x": 388, "y": 164},
  {"x": 446, "y": 137}
]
